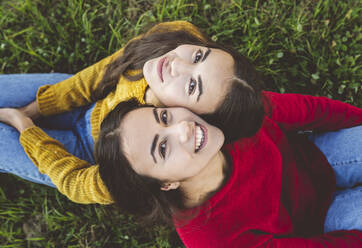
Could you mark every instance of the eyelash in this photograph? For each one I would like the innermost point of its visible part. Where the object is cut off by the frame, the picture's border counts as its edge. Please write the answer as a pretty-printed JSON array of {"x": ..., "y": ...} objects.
[
  {"x": 164, "y": 117},
  {"x": 192, "y": 86},
  {"x": 163, "y": 145},
  {"x": 162, "y": 148},
  {"x": 198, "y": 56}
]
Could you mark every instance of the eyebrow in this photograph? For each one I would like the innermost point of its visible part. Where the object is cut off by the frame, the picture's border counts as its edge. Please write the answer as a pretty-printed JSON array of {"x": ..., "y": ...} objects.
[
  {"x": 206, "y": 54},
  {"x": 155, "y": 139},
  {"x": 156, "y": 115},
  {"x": 153, "y": 147},
  {"x": 199, "y": 77},
  {"x": 200, "y": 88}
]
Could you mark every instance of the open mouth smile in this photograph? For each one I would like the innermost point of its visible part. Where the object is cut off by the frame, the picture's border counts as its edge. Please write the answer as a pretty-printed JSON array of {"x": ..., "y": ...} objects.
[{"x": 200, "y": 137}]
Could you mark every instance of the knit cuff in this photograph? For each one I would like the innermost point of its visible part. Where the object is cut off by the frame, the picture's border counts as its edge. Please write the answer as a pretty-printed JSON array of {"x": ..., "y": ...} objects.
[
  {"x": 46, "y": 100},
  {"x": 31, "y": 137}
]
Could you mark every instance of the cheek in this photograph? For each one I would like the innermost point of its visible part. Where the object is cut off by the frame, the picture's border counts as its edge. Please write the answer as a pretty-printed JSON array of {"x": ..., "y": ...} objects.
[
  {"x": 181, "y": 162},
  {"x": 220, "y": 141},
  {"x": 148, "y": 71},
  {"x": 173, "y": 94}
]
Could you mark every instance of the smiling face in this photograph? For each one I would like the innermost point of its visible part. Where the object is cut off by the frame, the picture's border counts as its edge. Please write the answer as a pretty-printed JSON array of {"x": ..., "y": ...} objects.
[
  {"x": 172, "y": 144},
  {"x": 194, "y": 77}
]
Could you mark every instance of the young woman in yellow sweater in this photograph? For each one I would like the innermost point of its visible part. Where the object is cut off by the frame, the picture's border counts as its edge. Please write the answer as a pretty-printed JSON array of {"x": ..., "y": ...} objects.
[{"x": 173, "y": 64}]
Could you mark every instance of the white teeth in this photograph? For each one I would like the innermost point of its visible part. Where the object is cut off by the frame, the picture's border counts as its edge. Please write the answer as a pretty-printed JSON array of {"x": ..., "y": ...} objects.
[{"x": 199, "y": 137}]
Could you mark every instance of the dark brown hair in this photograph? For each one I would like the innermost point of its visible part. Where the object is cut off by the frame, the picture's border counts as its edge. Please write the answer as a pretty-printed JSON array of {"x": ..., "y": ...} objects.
[
  {"x": 136, "y": 194},
  {"x": 239, "y": 115},
  {"x": 242, "y": 112}
]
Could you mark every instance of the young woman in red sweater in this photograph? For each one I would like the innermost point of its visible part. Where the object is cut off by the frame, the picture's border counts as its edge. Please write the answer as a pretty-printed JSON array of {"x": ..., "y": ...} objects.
[{"x": 275, "y": 189}]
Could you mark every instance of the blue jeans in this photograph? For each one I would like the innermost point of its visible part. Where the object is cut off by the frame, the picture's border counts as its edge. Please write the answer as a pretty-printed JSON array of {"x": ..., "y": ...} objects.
[
  {"x": 343, "y": 149},
  {"x": 72, "y": 129}
]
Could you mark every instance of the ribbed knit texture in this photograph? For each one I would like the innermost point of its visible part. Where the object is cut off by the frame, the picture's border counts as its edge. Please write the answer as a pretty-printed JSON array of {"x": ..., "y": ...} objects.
[{"x": 75, "y": 178}]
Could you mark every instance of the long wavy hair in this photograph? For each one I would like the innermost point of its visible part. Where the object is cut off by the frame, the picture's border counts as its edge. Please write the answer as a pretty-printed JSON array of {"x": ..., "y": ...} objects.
[{"x": 239, "y": 115}]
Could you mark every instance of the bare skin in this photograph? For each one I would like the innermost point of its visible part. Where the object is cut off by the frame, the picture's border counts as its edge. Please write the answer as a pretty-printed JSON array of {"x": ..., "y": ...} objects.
[
  {"x": 16, "y": 118},
  {"x": 31, "y": 110},
  {"x": 186, "y": 150}
]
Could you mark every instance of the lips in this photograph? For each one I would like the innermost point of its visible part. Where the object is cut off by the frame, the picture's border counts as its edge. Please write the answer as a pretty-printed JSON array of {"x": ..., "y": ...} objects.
[
  {"x": 200, "y": 137},
  {"x": 160, "y": 68}
]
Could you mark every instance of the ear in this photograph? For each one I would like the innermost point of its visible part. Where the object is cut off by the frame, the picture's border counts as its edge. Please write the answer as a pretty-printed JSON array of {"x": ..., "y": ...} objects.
[{"x": 170, "y": 186}]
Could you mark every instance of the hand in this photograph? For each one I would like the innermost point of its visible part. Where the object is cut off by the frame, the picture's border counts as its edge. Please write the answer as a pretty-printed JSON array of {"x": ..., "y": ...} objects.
[
  {"x": 31, "y": 110},
  {"x": 15, "y": 118}
]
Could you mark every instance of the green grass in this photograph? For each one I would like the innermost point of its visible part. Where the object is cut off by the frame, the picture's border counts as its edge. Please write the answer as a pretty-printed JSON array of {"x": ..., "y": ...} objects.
[
  {"x": 36, "y": 216},
  {"x": 310, "y": 46}
]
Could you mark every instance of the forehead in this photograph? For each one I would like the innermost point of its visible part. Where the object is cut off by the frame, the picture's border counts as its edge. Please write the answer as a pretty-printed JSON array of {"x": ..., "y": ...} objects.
[
  {"x": 218, "y": 67},
  {"x": 138, "y": 128},
  {"x": 216, "y": 73}
]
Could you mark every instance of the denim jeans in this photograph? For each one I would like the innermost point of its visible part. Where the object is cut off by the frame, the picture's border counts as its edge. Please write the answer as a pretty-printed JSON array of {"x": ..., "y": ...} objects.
[
  {"x": 343, "y": 149},
  {"x": 72, "y": 128}
]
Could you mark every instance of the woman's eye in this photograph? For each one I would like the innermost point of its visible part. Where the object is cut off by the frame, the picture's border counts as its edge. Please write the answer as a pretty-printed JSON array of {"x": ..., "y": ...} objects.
[
  {"x": 192, "y": 86},
  {"x": 164, "y": 117},
  {"x": 198, "y": 56},
  {"x": 162, "y": 149}
]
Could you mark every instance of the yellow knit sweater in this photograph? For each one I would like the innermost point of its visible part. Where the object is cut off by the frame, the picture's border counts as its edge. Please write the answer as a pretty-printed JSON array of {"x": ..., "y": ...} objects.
[{"x": 76, "y": 178}]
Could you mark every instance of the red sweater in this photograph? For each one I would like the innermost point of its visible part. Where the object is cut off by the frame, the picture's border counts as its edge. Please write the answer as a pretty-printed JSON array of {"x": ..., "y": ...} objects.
[{"x": 281, "y": 185}]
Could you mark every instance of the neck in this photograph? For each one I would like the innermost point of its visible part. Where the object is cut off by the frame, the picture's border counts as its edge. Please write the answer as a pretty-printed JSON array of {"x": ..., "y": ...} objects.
[{"x": 210, "y": 179}]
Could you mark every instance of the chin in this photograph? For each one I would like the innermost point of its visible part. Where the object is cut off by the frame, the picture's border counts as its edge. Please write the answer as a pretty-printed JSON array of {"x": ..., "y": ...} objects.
[{"x": 148, "y": 72}]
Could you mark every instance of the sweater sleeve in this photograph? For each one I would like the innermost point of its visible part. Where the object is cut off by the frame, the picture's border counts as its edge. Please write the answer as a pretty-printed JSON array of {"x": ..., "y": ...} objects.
[
  {"x": 75, "y": 178},
  {"x": 255, "y": 239},
  {"x": 337, "y": 239},
  {"x": 73, "y": 92},
  {"x": 303, "y": 112}
]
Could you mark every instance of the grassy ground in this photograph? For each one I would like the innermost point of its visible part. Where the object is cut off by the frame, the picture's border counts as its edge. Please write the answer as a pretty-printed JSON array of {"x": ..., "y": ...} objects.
[{"x": 310, "y": 46}]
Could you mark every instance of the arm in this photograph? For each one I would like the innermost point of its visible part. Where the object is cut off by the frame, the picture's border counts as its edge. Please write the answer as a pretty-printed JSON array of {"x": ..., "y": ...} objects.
[
  {"x": 31, "y": 110},
  {"x": 303, "y": 112},
  {"x": 337, "y": 239},
  {"x": 254, "y": 239},
  {"x": 75, "y": 178},
  {"x": 73, "y": 92}
]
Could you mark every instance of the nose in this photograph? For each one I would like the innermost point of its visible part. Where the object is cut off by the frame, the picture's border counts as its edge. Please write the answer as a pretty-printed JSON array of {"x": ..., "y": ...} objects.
[
  {"x": 184, "y": 129},
  {"x": 180, "y": 67}
]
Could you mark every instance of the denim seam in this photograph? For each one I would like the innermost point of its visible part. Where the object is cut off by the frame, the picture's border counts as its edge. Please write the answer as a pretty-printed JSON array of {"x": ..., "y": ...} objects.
[
  {"x": 19, "y": 171},
  {"x": 341, "y": 197},
  {"x": 13, "y": 130},
  {"x": 30, "y": 176},
  {"x": 345, "y": 163}
]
